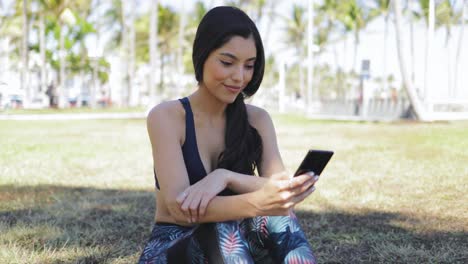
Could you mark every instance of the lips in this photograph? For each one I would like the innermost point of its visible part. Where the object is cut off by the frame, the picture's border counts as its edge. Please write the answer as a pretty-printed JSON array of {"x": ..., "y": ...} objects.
[{"x": 233, "y": 89}]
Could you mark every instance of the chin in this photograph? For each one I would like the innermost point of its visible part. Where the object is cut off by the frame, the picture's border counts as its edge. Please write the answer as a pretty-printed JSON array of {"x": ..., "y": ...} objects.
[{"x": 229, "y": 99}]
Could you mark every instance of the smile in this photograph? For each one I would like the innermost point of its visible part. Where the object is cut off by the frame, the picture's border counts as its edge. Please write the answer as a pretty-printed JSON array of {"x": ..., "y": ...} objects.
[{"x": 233, "y": 89}]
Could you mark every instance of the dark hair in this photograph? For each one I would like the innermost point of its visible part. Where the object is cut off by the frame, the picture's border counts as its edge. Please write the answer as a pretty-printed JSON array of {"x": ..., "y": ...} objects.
[{"x": 243, "y": 148}]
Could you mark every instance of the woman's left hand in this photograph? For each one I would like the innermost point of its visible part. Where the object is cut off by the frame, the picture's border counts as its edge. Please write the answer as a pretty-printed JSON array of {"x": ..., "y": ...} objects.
[{"x": 194, "y": 200}]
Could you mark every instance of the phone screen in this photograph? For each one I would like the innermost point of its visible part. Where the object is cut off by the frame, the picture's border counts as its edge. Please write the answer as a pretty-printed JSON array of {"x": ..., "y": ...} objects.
[{"x": 315, "y": 161}]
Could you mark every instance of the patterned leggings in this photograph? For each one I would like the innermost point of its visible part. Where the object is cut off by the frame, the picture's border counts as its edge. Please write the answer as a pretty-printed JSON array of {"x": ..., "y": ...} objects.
[{"x": 263, "y": 239}]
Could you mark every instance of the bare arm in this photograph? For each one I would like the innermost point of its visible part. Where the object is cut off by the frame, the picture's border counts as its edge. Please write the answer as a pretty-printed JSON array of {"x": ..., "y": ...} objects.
[
  {"x": 199, "y": 201},
  {"x": 165, "y": 129},
  {"x": 274, "y": 198},
  {"x": 271, "y": 163}
]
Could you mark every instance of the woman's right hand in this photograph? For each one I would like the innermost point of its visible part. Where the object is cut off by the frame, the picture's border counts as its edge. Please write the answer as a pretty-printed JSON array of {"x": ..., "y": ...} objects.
[{"x": 281, "y": 193}]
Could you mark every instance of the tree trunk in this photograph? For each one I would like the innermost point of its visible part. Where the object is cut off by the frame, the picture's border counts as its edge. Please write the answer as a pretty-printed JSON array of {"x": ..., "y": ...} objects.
[
  {"x": 271, "y": 13},
  {"x": 413, "y": 97},
  {"x": 459, "y": 48},
  {"x": 282, "y": 86},
  {"x": 60, "y": 89},
  {"x": 302, "y": 87},
  {"x": 134, "y": 95},
  {"x": 428, "y": 52},
  {"x": 153, "y": 42},
  {"x": 413, "y": 59},
  {"x": 125, "y": 91},
  {"x": 25, "y": 56},
  {"x": 180, "y": 55},
  {"x": 384, "y": 62},
  {"x": 356, "y": 44},
  {"x": 42, "y": 52},
  {"x": 161, "y": 72},
  {"x": 449, "y": 64},
  {"x": 310, "y": 61}
]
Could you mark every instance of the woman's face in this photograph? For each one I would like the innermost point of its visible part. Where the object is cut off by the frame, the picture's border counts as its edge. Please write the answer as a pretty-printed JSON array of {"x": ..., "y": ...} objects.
[{"x": 229, "y": 69}]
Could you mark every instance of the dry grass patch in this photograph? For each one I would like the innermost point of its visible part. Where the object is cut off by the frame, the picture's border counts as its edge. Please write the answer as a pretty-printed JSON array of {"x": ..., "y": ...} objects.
[{"x": 82, "y": 191}]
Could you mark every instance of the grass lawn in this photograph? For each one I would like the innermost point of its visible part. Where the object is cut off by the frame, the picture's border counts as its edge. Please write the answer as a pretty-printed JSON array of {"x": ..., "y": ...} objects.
[{"x": 82, "y": 191}]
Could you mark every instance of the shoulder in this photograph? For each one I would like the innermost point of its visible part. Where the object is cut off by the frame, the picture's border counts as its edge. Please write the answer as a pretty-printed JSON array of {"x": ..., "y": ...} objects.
[
  {"x": 258, "y": 117},
  {"x": 257, "y": 114},
  {"x": 166, "y": 114},
  {"x": 166, "y": 110}
]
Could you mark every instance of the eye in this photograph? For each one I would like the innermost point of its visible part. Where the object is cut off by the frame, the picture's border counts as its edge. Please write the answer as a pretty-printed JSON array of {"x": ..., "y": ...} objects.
[
  {"x": 226, "y": 63},
  {"x": 249, "y": 67}
]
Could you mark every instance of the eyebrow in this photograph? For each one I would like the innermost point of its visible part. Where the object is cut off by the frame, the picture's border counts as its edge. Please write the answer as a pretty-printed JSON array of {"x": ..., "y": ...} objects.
[{"x": 234, "y": 57}]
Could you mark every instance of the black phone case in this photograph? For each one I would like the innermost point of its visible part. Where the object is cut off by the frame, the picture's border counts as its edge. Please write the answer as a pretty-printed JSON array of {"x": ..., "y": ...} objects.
[{"x": 315, "y": 161}]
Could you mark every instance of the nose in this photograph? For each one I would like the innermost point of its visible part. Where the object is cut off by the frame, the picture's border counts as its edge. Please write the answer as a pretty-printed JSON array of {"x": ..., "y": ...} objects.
[{"x": 238, "y": 74}]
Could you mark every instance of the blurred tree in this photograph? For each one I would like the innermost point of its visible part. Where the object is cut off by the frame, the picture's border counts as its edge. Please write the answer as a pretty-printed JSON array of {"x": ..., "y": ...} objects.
[
  {"x": 447, "y": 16},
  {"x": 458, "y": 56},
  {"x": 25, "y": 54},
  {"x": 153, "y": 42},
  {"x": 416, "y": 104},
  {"x": 382, "y": 8},
  {"x": 296, "y": 26},
  {"x": 330, "y": 13},
  {"x": 355, "y": 18},
  {"x": 428, "y": 12},
  {"x": 194, "y": 19},
  {"x": 168, "y": 20}
]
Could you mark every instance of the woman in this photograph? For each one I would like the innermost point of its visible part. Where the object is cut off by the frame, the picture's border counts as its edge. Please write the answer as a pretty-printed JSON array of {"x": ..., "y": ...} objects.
[{"x": 206, "y": 148}]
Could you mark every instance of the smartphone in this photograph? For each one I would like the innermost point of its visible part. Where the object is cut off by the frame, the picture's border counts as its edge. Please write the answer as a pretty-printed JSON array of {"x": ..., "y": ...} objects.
[{"x": 315, "y": 161}]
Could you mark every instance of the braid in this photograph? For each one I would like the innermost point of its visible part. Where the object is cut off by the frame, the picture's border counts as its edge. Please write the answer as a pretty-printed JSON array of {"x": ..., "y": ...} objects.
[{"x": 243, "y": 143}]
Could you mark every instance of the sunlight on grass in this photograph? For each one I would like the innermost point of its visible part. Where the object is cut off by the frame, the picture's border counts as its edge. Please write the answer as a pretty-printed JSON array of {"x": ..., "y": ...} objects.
[{"x": 82, "y": 191}]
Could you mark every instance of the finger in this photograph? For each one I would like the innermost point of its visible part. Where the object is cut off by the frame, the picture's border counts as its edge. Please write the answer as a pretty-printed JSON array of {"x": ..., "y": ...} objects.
[
  {"x": 203, "y": 204},
  {"x": 193, "y": 208},
  {"x": 293, "y": 182},
  {"x": 304, "y": 187},
  {"x": 185, "y": 207},
  {"x": 181, "y": 197},
  {"x": 290, "y": 192},
  {"x": 186, "y": 203},
  {"x": 299, "y": 198}
]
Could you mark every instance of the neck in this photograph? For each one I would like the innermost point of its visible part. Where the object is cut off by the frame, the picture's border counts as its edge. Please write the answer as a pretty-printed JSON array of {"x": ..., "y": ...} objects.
[{"x": 205, "y": 102}]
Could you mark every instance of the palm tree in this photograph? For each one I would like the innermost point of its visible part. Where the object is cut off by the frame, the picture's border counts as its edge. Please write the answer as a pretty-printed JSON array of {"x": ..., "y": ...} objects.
[
  {"x": 311, "y": 94},
  {"x": 333, "y": 12},
  {"x": 447, "y": 16},
  {"x": 269, "y": 11},
  {"x": 12, "y": 35},
  {"x": 133, "y": 95},
  {"x": 414, "y": 16},
  {"x": 167, "y": 35},
  {"x": 113, "y": 23},
  {"x": 180, "y": 50},
  {"x": 60, "y": 10},
  {"x": 194, "y": 19},
  {"x": 153, "y": 42},
  {"x": 428, "y": 9},
  {"x": 413, "y": 97},
  {"x": 42, "y": 47},
  {"x": 295, "y": 28},
  {"x": 354, "y": 20},
  {"x": 25, "y": 55},
  {"x": 383, "y": 8},
  {"x": 460, "y": 44}
]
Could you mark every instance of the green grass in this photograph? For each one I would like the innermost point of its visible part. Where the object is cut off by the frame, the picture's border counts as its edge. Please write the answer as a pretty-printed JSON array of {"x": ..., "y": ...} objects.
[{"x": 82, "y": 191}]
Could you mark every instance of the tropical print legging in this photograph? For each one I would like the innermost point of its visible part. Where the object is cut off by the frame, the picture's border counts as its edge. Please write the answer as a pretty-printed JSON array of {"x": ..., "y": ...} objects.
[{"x": 263, "y": 239}]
